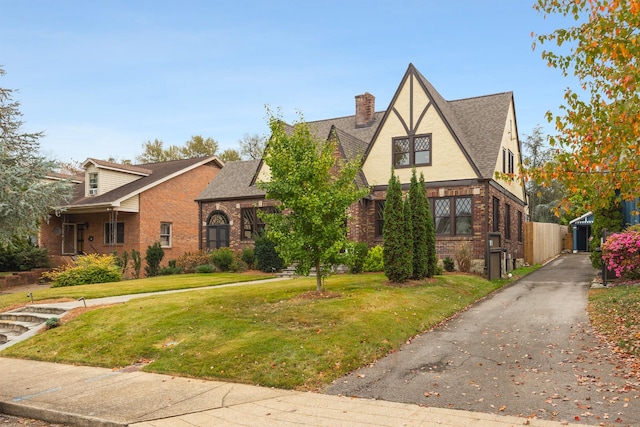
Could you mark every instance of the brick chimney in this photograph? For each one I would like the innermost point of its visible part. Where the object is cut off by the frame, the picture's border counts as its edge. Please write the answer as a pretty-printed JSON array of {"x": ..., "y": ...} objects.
[{"x": 365, "y": 109}]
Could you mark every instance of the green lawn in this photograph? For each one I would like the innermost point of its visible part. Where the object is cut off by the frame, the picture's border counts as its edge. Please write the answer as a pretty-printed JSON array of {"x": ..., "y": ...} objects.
[
  {"x": 615, "y": 314},
  {"x": 153, "y": 284},
  {"x": 275, "y": 334}
]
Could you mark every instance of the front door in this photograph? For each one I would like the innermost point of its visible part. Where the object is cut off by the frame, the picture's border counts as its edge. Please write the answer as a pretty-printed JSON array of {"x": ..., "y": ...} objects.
[
  {"x": 217, "y": 230},
  {"x": 217, "y": 236},
  {"x": 69, "y": 239}
]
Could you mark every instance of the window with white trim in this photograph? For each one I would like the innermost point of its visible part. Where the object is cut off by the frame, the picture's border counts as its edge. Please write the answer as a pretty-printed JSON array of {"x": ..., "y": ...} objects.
[
  {"x": 166, "y": 229},
  {"x": 93, "y": 184}
]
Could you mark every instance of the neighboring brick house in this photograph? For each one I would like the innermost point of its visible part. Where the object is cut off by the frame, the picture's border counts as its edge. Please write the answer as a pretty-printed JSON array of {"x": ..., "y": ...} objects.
[
  {"x": 458, "y": 146},
  {"x": 118, "y": 207}
]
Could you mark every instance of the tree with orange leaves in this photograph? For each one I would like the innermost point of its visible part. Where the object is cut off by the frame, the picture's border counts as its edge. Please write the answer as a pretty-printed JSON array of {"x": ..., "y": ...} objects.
[{"x": 598, "y": 141}]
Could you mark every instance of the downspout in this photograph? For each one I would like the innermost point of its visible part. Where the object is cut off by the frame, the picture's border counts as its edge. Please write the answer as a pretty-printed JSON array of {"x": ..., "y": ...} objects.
[{"x": 200, "y": 226}]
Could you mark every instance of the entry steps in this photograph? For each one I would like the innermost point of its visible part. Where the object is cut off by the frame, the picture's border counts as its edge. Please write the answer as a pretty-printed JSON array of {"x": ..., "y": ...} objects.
[{"x": 15, "y": 323}]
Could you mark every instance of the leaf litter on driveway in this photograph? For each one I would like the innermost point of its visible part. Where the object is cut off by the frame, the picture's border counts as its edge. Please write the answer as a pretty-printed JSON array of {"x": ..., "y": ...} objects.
[{"x": 528, "y": 351}]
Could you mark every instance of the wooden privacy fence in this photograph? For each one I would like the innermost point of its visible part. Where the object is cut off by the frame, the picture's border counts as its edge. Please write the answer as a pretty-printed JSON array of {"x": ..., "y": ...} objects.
[{"x": 543, "y": 241}]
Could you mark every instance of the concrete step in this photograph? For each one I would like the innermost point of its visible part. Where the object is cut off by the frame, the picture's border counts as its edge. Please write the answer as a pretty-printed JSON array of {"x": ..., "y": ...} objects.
[
  {"x": 15, "y": 323},
  {"x": 21, "y": 327},
  {"x": 25, "y": 317},
  {"x": 39, "y": 309}
]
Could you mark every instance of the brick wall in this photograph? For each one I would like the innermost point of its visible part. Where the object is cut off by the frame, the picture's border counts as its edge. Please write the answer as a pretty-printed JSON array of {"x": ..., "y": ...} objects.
[
  {"x": 232, "y": 209},
  {"x": 363, "y": 224},
  {"x": 174, "y": 202}
]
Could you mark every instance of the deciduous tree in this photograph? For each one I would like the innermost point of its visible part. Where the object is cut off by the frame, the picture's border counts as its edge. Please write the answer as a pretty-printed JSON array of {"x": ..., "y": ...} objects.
[
  {"x": 26, "y": 196},
  {"x": 251, "y": 146},
  {"x": 230, "y": 155},
  {"x": 197, "y": 146},
  {"x": 544, "y": 197},
  {"x": 598, "y": 140},
  {"x": 314, "y": 189}
]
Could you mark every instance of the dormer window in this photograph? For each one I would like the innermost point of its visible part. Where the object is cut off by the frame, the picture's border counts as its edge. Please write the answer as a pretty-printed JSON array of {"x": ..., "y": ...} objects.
[{"x": 93, "y": 184}]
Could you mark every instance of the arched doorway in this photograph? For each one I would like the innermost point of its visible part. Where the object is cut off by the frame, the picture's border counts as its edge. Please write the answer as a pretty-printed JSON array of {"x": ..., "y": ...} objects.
[{"x": 217, "y": 230}]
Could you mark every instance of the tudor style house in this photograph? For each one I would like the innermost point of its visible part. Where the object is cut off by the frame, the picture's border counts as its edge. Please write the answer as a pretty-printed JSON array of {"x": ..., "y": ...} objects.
[
  {"x": 118, "y": 208},
  {"x": 458, "y": 145}
]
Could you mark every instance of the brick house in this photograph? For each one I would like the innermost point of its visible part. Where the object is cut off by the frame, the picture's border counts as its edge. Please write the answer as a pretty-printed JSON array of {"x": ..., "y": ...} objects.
[
  {"x": 458, "y": 145},
  {"x": 118, "y": 207}
]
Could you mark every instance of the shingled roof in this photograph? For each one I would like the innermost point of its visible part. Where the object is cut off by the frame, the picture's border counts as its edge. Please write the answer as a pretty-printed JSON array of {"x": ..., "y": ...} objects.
[
  {"x": 233, "y": 182},
  {"x": 152, "y": 174},
  {"x": 476, "y": 124}
]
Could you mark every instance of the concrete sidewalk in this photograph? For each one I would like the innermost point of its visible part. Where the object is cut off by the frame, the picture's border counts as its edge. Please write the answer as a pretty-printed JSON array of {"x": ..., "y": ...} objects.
[{"x": 86, "y": 396}]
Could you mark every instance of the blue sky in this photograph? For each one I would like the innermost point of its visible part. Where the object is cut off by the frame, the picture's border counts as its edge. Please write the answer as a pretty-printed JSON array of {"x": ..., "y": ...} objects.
[{"x": 100, "y": 78}]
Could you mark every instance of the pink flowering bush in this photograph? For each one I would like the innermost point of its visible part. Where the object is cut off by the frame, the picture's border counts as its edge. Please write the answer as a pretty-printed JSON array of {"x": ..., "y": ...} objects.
[{"x": 621, "y": 254}]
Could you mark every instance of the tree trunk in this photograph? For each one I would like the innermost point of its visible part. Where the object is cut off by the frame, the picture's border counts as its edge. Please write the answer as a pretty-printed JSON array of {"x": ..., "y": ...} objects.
[{"x": 319, "y": 287}]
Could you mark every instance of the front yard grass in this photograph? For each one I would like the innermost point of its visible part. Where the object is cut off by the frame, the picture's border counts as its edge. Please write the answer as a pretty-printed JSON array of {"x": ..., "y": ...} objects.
[
  {"x": 278, "y": 334},
  {"x": 137, "y": 286},
  {"x": 615, "y": 314}
]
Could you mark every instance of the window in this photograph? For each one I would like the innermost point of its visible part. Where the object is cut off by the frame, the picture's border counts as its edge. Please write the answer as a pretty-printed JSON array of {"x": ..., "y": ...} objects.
[
  {"x": 251, "y": 224},
  {"x": 463, "y": 215},
  {"x": 114, "y": 233},
  {"x": 504, "y": 160},
  {"x": 165, "y": 234},
  {"x": 93, "y": 184},
  {"x": 511, "y": 162},
  {"x": 496, "y": 215},
  {"x": 217, "y": 230},
  {"x": 412, "y": 150},
  {"x": 379, "y": 217},
  {"x": 452, "y": 216},
  {"x": 507, "y": 222},
  {"x": 520, "y": 225}
]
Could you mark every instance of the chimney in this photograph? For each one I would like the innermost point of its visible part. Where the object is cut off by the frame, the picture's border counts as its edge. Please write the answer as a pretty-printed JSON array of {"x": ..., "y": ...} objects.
[{"x": 365, "y": 109}]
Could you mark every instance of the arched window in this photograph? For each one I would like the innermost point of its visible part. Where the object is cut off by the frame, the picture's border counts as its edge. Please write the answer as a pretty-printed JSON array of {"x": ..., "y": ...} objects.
[{"x": 217, "y": 230}]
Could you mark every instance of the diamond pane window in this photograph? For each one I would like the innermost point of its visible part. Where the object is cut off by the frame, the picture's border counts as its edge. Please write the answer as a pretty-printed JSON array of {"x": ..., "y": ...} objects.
[
  {"x": 412, "y": 150},
  {"x": 401, "y": 152},
  {"x": 453, "y": 215},
  {"x": 463, "y": 215},
  {"x": 443, "y": 216}
]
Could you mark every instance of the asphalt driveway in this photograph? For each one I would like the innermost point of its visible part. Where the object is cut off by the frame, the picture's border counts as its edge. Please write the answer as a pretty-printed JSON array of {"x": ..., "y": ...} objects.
[{"x": 528, "y": 350}]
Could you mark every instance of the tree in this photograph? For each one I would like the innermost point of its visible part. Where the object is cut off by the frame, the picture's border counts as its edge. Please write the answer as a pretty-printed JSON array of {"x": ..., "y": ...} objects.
[
  {"x": 154, "y": 256},
  {"x": 315, "y": 189},
  {"x": 154, "y": 152},
  {"x": 397, "y": 256},
  {"x": 598, "y": 141},
  {"x": 544, "y": 197},
  {"x": 229, "y": 155},
  {"x": 197, "y": 146},
  {"x": 27, "y": 196},
  {"x": 432, "y": 256},
  {"x": 252, "y": 146},
  {"x": 418, "y": 227}
]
